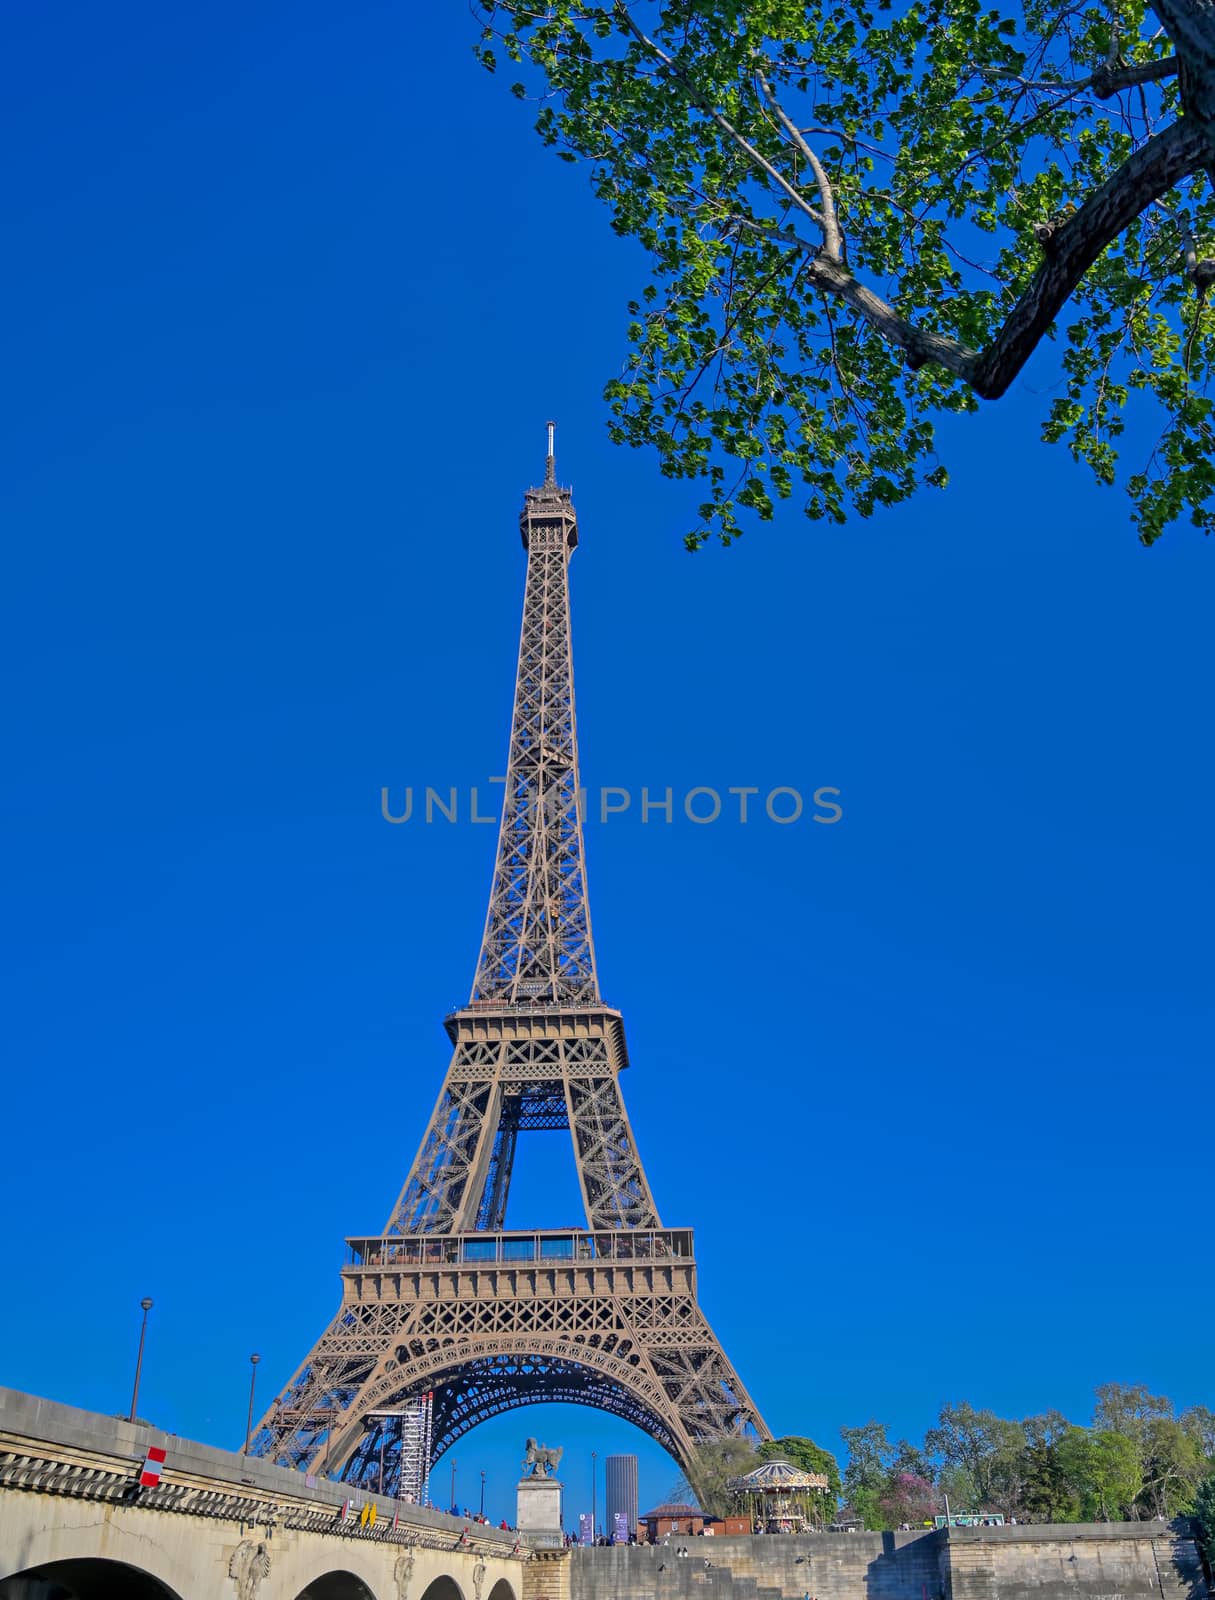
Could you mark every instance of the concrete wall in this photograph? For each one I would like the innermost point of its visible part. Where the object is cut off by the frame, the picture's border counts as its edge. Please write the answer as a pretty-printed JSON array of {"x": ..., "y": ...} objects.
[
  {"x": 1119, "y": 1561},
  {"x": 855, "y": 1566},
  {"x": 1096, "y": 1561}
]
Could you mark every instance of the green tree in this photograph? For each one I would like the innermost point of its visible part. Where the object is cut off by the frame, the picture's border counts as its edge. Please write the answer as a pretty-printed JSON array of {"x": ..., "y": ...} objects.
[
  {"x": 859, "y": 217},
  {"x": 1047, "y": 1428},
  {"x": 1128, "y": 1408},
  {"x": 870, "y": 1455},
  {"x": 1046, "y": 1493},
  {"x": 1199, "y": 1423},
  {"x": 956, "y": 1487},
  {"x": 912, "y": 1459},
  {"x": 988, "y": 1449},
  {"x": 715, "y": 1464},
  {"x": 1105, "y": 1471},
  {"x": 1204, "y": 1517},
  {"x": 1173, "y": 1467}
]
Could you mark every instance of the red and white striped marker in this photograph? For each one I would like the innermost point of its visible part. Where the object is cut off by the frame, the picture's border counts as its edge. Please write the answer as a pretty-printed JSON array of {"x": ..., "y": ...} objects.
[{"x": 153, "y": 1466}]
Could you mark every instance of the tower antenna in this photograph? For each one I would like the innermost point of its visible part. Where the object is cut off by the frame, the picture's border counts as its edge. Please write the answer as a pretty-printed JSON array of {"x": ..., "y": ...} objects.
[{"x": 550, "y": 465}]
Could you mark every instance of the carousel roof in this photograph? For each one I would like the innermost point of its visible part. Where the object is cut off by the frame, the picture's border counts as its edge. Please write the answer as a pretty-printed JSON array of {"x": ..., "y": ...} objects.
[
  {"x": 669, "y": 1510},
  {"x": 778, "y": 1477}
]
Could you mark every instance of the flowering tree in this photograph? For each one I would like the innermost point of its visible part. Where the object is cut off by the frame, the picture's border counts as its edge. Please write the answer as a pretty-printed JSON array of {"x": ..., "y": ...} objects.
[{"x": 908, "y": 1498}]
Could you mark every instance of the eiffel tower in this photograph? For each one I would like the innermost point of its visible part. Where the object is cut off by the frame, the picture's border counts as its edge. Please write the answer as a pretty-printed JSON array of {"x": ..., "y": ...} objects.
[{"x": 447, "y": 1301}]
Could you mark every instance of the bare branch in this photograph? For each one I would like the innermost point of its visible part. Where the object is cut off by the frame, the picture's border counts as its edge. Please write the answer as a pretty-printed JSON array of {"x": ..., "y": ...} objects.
[
  {"x": 851, "y": 139},
  {"x": 826, "y": 195}
]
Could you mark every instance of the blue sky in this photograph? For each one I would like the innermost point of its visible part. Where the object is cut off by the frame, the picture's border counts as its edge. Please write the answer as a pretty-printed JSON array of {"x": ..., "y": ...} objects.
[{"x": 291, "y": 292}]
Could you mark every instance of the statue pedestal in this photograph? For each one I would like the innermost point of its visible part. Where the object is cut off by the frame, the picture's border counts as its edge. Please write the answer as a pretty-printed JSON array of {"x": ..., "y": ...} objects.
[{"x": 538, "y": 1511}]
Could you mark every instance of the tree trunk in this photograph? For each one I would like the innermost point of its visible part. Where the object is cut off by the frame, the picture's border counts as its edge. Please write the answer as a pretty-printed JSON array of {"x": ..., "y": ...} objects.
[{"x": 1190, "y": 24}]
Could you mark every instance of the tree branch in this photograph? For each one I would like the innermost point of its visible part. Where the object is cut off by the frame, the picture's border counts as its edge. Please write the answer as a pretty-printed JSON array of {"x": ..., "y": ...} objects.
[
  {"x": 715, "y": 116},
  {"x": 918, "y": 344},
  {"x": 1183, "y": 148},
  {"x": 1170, "y": 156},
  {"x": 826, "y": 195},
  {"x": 1108, "y": 81}
]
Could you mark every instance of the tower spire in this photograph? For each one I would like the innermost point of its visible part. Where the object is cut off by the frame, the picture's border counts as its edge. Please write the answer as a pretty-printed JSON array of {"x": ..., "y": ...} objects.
[
  {"x": 537, "y": 945},
  {"x": 550, "y": 464}
]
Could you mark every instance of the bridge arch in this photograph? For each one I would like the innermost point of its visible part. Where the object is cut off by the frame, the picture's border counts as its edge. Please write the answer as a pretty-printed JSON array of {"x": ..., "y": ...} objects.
[
  {"x": 336, "y": 1585},
  {"x": 502, "y": 1591},
  {"x": 59, "y": 1554},
  {"x": 85, "y": 1578},
  {"x": 309, "y": 1568},
  {"x": 444, "y": 1587}
]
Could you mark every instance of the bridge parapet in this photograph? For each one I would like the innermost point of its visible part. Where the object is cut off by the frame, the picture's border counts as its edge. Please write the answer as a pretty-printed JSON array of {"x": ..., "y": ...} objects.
[{"x": 60, "y": 1450}]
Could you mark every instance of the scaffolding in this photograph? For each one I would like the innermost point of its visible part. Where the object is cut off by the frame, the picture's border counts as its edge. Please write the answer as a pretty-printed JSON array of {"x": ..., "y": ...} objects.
[{"x": 395, "y": 1454}]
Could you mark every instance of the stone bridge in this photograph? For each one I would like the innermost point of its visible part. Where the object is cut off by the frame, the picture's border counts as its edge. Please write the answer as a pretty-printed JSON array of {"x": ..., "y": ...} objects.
[{"x": 76, "y": 1525}]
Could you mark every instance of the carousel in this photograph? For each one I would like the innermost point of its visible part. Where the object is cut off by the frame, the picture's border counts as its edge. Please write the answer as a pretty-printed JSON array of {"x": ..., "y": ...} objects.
[{"x": 780, "y": 1498}]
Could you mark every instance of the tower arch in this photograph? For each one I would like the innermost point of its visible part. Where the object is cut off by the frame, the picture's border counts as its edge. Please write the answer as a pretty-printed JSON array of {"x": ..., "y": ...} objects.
[{"x": 490, "y": 1383}]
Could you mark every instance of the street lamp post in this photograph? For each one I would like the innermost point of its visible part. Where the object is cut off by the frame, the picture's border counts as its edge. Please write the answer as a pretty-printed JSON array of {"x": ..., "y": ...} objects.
[
  {"x": 253, "y": 1360},
  {"x": 594, "y": 1501},
  {"x": 143, "y": 1328},
  {"x": 454, "y": 1511},
  {"x": 482, "y": 1493}
]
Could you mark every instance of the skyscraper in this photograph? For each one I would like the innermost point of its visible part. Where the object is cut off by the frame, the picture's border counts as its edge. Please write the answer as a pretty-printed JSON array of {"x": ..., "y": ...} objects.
[{"x": 621, "y": 1475}]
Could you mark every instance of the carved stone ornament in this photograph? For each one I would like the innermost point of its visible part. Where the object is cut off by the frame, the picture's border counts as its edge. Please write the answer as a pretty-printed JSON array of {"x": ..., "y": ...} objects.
[
  {"x": 250, "y": 1563},
  {"x": 402, "y": 1574}
]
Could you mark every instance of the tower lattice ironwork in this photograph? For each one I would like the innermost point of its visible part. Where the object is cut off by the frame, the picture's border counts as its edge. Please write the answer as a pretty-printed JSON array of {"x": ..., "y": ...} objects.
[{"x": 448, "y": 1301}]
